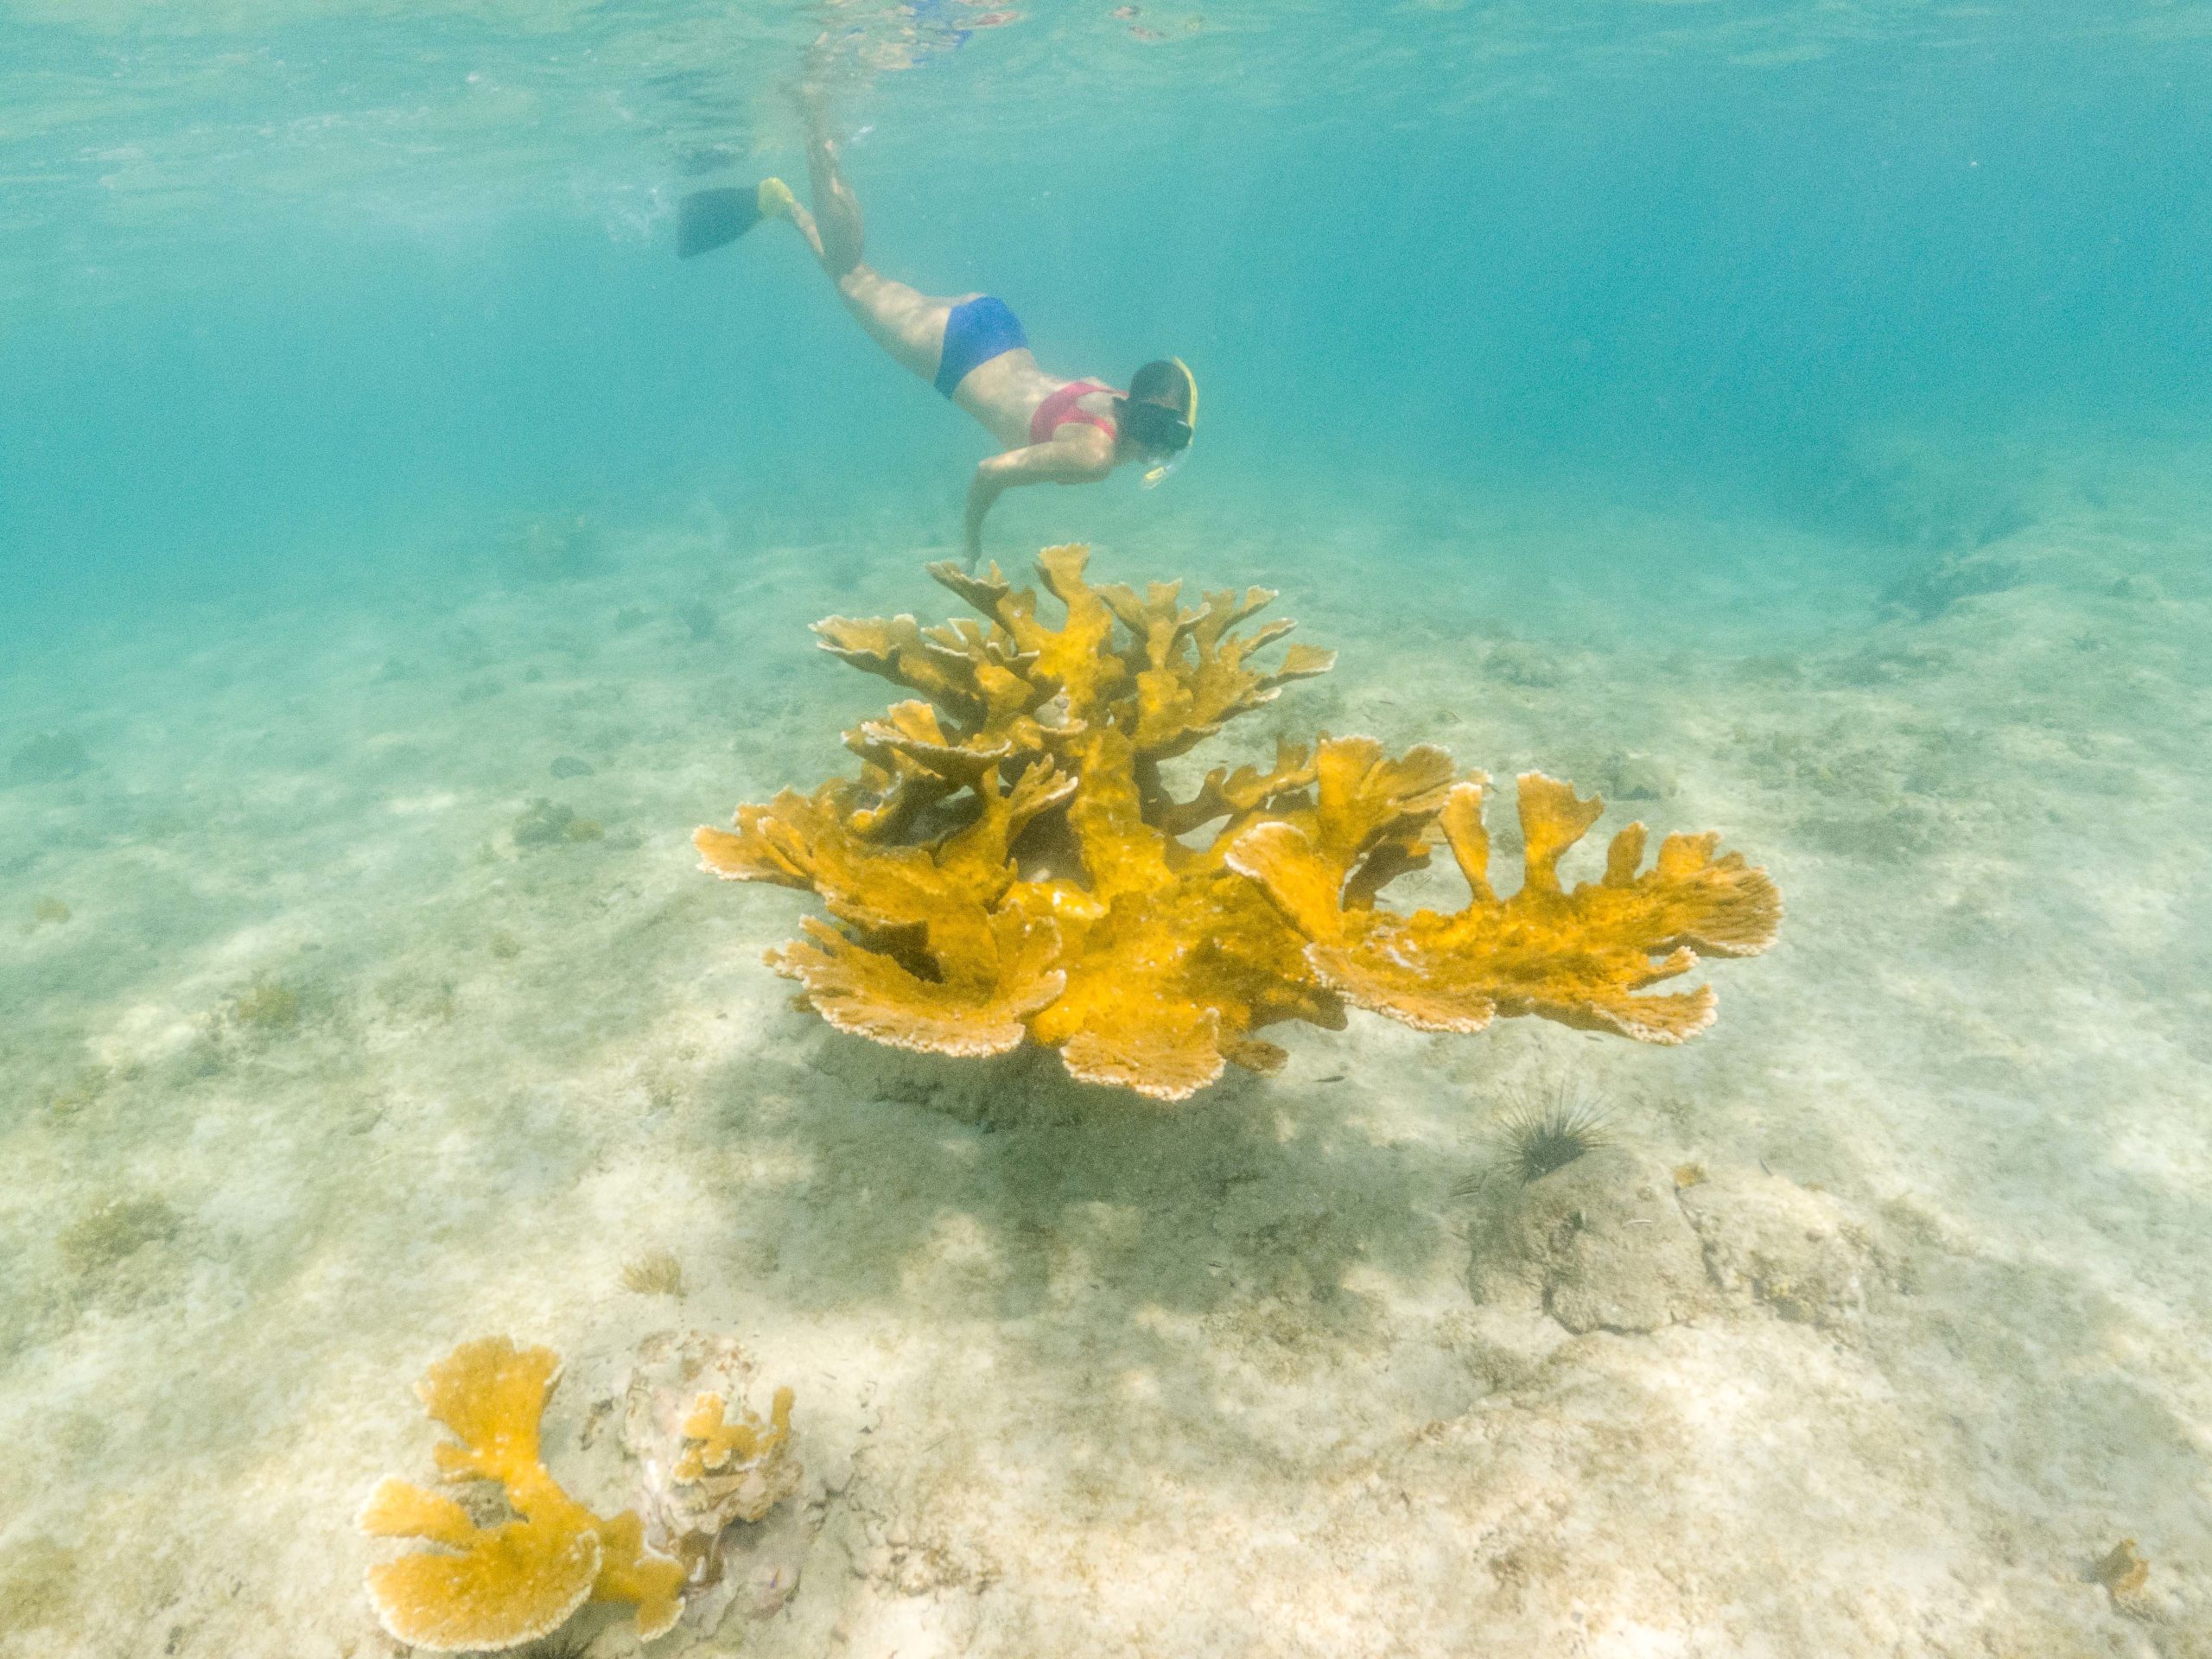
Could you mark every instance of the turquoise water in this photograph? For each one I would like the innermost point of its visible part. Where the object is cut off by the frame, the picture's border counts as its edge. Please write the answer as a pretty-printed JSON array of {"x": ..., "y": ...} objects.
[
  {"x": 275, "y": 277},
  {"x": 1792, "y": 421}
]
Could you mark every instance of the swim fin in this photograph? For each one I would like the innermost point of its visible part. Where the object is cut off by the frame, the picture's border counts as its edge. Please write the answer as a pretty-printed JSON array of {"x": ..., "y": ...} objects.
[{"x": 707, "y": 219}]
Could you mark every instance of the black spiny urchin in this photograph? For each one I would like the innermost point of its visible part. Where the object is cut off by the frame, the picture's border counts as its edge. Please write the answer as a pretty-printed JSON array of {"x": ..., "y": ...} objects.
[{"x": 1540, "y": 1132}]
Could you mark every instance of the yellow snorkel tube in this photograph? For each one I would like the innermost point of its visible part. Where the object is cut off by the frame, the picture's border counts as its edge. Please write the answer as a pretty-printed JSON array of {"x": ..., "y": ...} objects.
[{"x": 1158, "y": 475}]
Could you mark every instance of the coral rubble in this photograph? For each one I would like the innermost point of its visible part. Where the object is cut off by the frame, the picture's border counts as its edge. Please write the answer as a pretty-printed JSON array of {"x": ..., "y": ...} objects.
[
  {"x": 500, "y": 1586},
  {"x": 717, "y": 1449},
  {"x": 707, "y": 1467},
  {"x": 1012, "y": 864}
]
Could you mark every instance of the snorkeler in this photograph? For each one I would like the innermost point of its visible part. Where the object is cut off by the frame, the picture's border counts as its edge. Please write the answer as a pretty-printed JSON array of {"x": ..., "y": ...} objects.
[{"x": 972, "y": 349}]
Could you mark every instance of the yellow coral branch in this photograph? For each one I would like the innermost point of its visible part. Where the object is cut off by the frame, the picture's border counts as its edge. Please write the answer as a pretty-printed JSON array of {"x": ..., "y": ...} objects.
[
  {"x": 869, "y": 992},
  {"x": 717, "y": 1444},
  {"x": 509, "y": 1584},
  {"x": 1580, "y": 958}
]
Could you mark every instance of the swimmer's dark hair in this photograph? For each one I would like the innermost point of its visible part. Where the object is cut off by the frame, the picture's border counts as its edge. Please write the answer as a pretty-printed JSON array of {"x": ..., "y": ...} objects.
[
  {"x": 1163, "y": 381},
  {"x": 1157, "y": 412}
]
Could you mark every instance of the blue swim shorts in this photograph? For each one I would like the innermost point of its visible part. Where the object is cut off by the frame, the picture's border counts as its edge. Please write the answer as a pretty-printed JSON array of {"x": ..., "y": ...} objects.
[{"x": 976, "y": 330}]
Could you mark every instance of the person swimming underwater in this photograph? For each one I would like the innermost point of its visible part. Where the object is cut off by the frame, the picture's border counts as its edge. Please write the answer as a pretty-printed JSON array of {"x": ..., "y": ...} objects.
[{"x": 971, "y": 349}]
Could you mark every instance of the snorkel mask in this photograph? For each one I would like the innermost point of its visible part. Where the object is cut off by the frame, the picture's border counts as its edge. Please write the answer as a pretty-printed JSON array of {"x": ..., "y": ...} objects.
[{"x": 1164, "y": 430}]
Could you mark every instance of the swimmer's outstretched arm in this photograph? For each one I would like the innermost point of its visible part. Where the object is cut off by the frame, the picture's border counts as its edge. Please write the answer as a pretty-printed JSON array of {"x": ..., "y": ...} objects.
[{"x": 1073, "y": 459}]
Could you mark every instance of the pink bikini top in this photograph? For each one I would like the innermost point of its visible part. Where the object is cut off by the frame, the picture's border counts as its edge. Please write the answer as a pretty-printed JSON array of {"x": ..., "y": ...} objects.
[{"x": 1059, "y": 409}]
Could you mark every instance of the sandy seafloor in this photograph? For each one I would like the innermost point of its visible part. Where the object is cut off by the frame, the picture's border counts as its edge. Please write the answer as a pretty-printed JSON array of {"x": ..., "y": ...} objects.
[{"x": 323, "y": 1073}]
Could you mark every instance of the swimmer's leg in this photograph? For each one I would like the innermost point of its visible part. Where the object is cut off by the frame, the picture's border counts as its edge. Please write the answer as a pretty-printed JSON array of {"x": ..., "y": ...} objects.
[
  {"x": 840, "y": 238},
  {"x": 906, "y": 322},
  {"x": 707, "y": 219}
]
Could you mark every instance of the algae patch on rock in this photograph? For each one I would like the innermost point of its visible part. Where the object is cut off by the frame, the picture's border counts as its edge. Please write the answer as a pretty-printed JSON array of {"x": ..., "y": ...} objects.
[
  {"x": 1928, "y": 590},
  {"x": 550, "y": 823},
  {"x": 111, "y": 1231},
  {"x": 267, "y": 1007},
  {"x": 1619, "y": 1241},
  {"x": 120, "y": 1253},
  {"x": 657, "y": 1273}
]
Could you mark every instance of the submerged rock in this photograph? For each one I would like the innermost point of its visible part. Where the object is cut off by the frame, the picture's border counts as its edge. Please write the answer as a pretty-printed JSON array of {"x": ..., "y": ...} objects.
[
  {"x": 1625, "y": 776},
  {"x": 1518, "y": 663},
  {"x": 1925, "y": 592},
  {"x": 1598, "y": 1245},
  {"x": 1807, "y": 1255},
  {"x": 549, "y": 823},
  {"x": 1618, "y": 1242}
]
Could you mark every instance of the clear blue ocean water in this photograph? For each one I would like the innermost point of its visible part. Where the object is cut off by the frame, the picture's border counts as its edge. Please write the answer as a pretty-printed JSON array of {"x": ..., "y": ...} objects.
[
  {"x": 1790, "y": 420},
  {"x": 281, "y": 282}
]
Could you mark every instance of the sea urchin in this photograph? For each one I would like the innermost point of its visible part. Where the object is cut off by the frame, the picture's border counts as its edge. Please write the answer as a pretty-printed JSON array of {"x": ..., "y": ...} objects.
[{"x": 1539, "y": 1132}]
